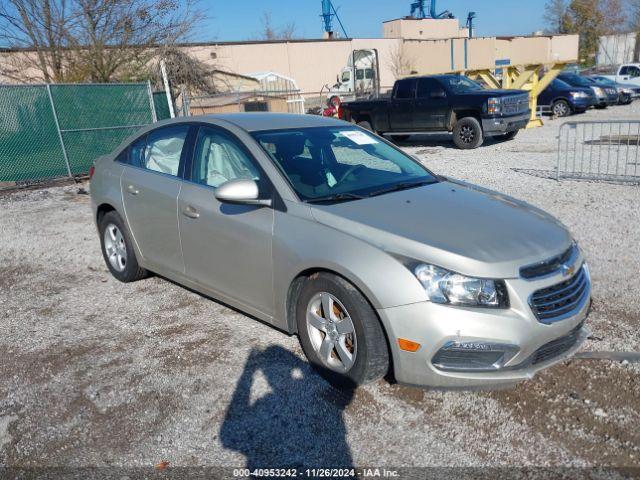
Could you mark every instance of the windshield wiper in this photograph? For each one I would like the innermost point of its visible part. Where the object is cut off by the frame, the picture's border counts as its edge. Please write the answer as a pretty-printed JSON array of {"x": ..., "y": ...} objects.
[
  {"x": 402, "y": 186},
  {"x": 337, "y": 197}
]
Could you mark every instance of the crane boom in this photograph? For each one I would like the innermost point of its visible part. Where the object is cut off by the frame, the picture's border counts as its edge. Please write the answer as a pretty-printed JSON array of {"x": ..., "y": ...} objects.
[
  {"x": 328, "y": 12},
  {"x": 419, "y": 10}
]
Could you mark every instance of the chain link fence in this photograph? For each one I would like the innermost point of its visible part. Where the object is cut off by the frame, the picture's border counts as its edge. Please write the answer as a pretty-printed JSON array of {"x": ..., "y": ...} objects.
[
  {"x": 49, "y": 131},
  {"x": 605, "y": 151}
]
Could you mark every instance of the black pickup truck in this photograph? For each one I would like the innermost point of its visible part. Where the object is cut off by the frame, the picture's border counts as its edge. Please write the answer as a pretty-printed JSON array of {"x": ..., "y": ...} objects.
[{"x": 447, "y": 103}]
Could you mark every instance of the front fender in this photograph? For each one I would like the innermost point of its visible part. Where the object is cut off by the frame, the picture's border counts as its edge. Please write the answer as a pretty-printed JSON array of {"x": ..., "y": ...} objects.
[{"x": 302, "y": 245}]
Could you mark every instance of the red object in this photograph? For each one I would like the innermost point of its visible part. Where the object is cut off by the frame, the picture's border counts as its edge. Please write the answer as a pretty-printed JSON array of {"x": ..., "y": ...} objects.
[
  {"x": 329, "y": 112},
  {"x": 92, "y": 169},
  {"x": 341, "y": 112}
]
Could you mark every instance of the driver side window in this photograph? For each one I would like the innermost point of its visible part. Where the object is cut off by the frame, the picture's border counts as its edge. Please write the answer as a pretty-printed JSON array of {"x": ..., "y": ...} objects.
[{"x": 218, "y": 158}]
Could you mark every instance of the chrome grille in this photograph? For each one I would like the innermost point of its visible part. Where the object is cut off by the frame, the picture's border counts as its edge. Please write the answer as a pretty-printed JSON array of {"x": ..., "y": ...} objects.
[
  {"x": 556, "y": 347},
  {"x": 559, "y": 301},
  {"x": 515, "y": 104}
]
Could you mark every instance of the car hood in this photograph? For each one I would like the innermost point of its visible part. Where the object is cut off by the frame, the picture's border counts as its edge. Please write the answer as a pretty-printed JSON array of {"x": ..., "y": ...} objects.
[{"x": 452, "y": 224}]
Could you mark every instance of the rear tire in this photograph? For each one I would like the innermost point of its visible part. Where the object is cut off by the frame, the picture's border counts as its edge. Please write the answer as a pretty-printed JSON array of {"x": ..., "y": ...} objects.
[
  {"x": 561, "y": 108},
  {"x": 117, "y": 249},
  {"x": 347, "y": 345},
  {"x": 467, "y": 133}
]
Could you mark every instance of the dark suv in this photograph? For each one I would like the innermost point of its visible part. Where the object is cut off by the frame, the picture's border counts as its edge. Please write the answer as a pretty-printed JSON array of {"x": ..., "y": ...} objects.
[
  {"x": 564, "y": 99},
  {"x": 605, "y": 96}
]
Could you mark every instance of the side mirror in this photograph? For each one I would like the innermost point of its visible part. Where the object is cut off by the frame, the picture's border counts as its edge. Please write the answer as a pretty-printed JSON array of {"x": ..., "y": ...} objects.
[
  {"x": 438, "y": 94},
  {"x": 241, "y": 191}
]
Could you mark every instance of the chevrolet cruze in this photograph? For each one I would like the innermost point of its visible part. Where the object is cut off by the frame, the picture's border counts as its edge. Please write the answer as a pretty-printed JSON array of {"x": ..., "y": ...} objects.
[{"x": 329, "y": 232}]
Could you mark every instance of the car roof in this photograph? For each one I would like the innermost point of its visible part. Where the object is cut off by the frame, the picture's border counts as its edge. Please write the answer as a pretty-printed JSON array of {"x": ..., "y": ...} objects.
[{"x": 260, "y": 121}]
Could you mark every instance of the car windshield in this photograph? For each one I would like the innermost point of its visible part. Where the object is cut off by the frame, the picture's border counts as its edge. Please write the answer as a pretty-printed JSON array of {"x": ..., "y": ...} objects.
[
  {"x": 340, "y": 163},
  {"x": 561, "y": 85},
  {"x": 575, "y": 80},
  {"x": 460, "y": 84},
  {"x": 606, "y": 81}
]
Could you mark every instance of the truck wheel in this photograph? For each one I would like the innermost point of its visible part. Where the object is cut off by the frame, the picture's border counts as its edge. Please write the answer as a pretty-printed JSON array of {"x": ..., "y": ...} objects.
[
  {"x": 467, "y": 134},
  {"x": 366, "y": 125},
  {"x": 561, "y": 108},
  {"x": 400, "y": 138},
  {"x": 340, "y": 332}
]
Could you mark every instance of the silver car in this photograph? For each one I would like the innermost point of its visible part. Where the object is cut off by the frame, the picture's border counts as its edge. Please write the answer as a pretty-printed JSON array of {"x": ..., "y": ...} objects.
[{"x": 329, "y": 232}]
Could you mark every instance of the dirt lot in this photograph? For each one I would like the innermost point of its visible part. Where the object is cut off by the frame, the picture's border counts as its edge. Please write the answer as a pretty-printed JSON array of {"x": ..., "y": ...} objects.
[{"x": 95, "y": 372}]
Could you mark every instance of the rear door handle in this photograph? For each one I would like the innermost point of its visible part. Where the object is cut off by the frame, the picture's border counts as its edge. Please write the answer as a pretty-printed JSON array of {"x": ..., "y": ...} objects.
[
  {"x": 190, "y": 212},
  {"x": 132, "y": 190}
]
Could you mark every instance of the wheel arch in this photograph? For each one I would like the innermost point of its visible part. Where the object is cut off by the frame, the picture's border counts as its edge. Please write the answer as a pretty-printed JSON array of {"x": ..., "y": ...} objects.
[
  {"x": 463, "y": 113},
  {"x": 295, "y": 286},
  {"x": 102, "y": 210}
]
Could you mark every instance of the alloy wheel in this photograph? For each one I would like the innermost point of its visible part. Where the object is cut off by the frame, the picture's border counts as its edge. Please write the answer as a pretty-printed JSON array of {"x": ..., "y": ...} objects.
[
  {"x": 467, "y": 134},
  {"x": 332, "y": 333},
  {"x": 115, "y": 247},
  {"x": 560, "y": 109}
]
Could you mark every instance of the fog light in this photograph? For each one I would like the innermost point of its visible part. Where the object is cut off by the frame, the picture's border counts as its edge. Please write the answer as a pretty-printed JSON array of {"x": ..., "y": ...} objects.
[{"x": 473, "y": 356}]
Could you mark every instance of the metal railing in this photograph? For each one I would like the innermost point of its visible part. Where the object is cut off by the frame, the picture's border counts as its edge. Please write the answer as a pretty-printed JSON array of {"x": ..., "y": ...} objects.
[{"x": 599, "y": 150}]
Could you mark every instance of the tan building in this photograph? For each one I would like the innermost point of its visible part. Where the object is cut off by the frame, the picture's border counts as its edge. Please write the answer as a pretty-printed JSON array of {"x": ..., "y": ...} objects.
[
  {"x": 425, "y": 46},
  {"x": 423, "y": 28}
]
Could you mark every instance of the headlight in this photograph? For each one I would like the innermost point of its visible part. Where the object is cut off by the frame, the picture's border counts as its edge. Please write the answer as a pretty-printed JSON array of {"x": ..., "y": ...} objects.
[
  {"x": 598, "y": 91},
  {"x": 444, "y": 286},
  {"x": 493, "y": 106},
  {"x": 627, "y": 91},
  {"x": 579, "y": 94}
]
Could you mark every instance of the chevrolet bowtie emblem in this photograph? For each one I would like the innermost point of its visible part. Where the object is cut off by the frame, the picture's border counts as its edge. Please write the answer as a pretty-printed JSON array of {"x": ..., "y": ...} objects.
[{"x": 568, "y": 270}]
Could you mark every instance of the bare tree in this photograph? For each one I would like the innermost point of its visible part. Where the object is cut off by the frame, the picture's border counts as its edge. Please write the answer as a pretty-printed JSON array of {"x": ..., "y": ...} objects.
[
  {"x": 93, "y": 40},
  {"x": 556, "y": 16},
  {"x": 40, "y": 26},
  {"x": 269, "y": 32},
  {"x": 185, "y": 71},
  {"x": 614, "y": 16},
  {"x": 399, "y": 62}
]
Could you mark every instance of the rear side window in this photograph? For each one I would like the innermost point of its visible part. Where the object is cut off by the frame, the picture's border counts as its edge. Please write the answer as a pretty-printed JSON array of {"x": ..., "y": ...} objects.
[
  {"x": 406, "y": 89},
  {"x": 163, "y": 150},
  {"x": 426, "y": 86}
]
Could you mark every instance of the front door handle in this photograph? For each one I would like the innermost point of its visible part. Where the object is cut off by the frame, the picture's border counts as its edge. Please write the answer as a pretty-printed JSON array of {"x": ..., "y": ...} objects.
[
  {"x": 190, "y": 212},
  {"x": 132, "y": 190}
]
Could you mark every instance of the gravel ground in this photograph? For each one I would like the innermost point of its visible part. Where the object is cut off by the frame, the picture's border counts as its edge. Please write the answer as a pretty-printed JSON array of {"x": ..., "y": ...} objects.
[{"x": 98, "y": 373}]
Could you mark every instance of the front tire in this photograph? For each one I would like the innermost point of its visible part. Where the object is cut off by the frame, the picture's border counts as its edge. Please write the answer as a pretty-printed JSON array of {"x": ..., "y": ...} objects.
[
  {"x": 340, "y": 332},
  {"x": 561, "y": 108},
  {"x": 117, "y": 249},
  {"x": 467, "y": 133}
]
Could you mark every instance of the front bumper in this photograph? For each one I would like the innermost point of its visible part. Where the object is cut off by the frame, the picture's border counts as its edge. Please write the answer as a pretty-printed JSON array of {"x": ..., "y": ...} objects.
[
  {"x": 500, "y": 125},
  {"x": 434, "y": 326},
  {"x": 581, "y": 104}
]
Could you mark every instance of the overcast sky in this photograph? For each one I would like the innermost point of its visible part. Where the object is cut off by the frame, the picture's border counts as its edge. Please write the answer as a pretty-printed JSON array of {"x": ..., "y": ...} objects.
[{"x": 240, "y": 19}]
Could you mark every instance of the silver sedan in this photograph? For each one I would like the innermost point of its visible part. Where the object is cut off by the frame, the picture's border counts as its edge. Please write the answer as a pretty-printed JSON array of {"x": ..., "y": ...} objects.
[{"x": 327, "y": 231}]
